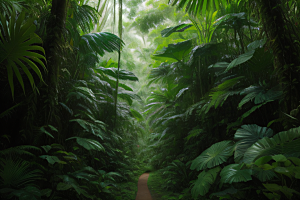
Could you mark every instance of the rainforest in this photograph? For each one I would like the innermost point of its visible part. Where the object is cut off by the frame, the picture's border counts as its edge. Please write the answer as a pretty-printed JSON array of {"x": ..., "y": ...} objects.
[{"x": 197, "y": 99}]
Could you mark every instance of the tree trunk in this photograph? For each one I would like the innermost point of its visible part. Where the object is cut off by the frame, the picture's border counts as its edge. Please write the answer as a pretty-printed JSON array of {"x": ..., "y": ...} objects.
[
  {"x": 54, "y": 40},
  {"x": 279, "y": 30}
]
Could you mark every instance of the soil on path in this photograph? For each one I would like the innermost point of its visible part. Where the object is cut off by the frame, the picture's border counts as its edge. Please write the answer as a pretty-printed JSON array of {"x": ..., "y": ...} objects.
[{"x": 143, "y": 191}]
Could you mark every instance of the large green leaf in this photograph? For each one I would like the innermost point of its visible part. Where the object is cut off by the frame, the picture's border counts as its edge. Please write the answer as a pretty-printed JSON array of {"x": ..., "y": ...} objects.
[
  {"x": 179, "y": 28},
  {"x": 260, "y": 94},
  {"x": 248, "y": 135},
  {"x": 52, "y": 159},
  {"x": 136, "y": 114},
  {"x": 88, "y": 144},
  {"x": 264, "y": 175},
  {"x": 288, "y": 192},
  {"x": 220, "y": 93},
  {"x": 240, "y": 60},
  {"x": 205, "y": 50},
  {"x": 174, "y": 51},
  {"x": 18, "y": 49},
  {"x": 256, "y": 44},
  {"x": 100, "y": 43},
  {"x": 96, "y": 128},
  {"x": 225, "y": 192},
  {"x": 128, "y": 95},
  {"x": 233, "y": 174},
  {"x": 286, "y": 143},
  {"x": 204, "y": 182},
  {"x": 68, "y": 183},
  {"x": 113, "y": 72},
  {"x": 234, "y": 21},
  {"x": 215, "y": 155}
]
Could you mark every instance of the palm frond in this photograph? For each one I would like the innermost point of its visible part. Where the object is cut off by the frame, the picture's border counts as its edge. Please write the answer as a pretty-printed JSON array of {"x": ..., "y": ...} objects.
[
  {"x": 18, "y": 43},
  {"x": 100, "y": 43},
  {"x": 195, "y": 7},
  {"x": 19, "y": 150},
  {"x": 17, "y": 173},
  {"x": 84, "y": 16}
]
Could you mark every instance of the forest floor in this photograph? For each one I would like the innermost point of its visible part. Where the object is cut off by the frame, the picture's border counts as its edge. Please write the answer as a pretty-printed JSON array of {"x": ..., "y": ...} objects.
[{"x": 153, "y": 184}]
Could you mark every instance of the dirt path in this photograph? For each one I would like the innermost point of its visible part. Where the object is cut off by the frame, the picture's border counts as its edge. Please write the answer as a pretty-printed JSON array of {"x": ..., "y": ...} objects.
[{"x": 143, "y": 191}]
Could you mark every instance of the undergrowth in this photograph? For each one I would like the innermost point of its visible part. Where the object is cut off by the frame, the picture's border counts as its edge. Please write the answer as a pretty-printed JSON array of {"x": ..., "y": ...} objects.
[{"x": 158, "y": 191}]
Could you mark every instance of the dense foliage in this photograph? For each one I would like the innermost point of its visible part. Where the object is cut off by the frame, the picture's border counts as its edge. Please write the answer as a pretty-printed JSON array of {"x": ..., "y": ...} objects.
[
  {"x": 223, "y": 109},
  {"x": 205, "y": 92},
  {"x": 64, "y": 134}
]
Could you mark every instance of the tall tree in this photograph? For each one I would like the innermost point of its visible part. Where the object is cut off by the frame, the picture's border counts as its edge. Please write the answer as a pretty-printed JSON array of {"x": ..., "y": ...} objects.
[
  {"x": 282, "y": 37},
  {"x": 55, "y": 29}
]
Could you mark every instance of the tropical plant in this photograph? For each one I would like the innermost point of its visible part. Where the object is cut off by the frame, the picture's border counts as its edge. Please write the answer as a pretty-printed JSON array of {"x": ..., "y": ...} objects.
[
  {"x": 251, "y": 164},
  {"x": 18, "y": 43}
]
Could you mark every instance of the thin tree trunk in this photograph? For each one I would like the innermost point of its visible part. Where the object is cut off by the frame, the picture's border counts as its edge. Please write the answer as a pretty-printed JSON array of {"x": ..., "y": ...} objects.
[{"x": 119, "y": 57}]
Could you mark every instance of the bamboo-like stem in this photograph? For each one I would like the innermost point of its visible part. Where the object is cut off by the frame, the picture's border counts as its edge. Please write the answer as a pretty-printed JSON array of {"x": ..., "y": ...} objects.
[{"x": 119, "y": 59}]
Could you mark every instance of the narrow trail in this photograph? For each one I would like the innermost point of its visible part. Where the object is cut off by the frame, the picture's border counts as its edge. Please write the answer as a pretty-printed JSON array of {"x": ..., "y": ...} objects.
[{"x": 143, "y": 191}]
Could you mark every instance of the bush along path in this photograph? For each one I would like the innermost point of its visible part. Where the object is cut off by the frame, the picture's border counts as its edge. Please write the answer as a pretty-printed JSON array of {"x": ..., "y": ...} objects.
[{"x": 143, "y": 191}]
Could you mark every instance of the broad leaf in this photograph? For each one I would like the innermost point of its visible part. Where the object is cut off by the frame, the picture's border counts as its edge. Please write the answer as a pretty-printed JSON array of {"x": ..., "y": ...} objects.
[
  {"x": 47, "y": 148},
  {"x": 113, "y": 72},
  {"x": 174, "y": 51},
  {"x": 264, "y": 175},
  {"x": 52, "y": 159},
  {"x": 204, "y": 182},
  {"x": 256, "y": 44},
  {"x": 136, "y": 114},
  {"x": 234, "y": 21},
  {"x": 288, "y": 192},
  {"x": 248, "y": 135},
  {"x": 43, "y": 130},
  {"x": 286, "y": 143},
  {"x": 179, "y": 28},
  {"x": 68, "y": 183},
  {"x": 215, "y": 155},
  {"x": 225, "y": 192},
  {"x": 234, "y": 174},
  {"x": 260, "y": 94},
  {"x": 128, "y": 95},
  {"x": 88, "y": 144},
  {"x": 240, "y": 60}
]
